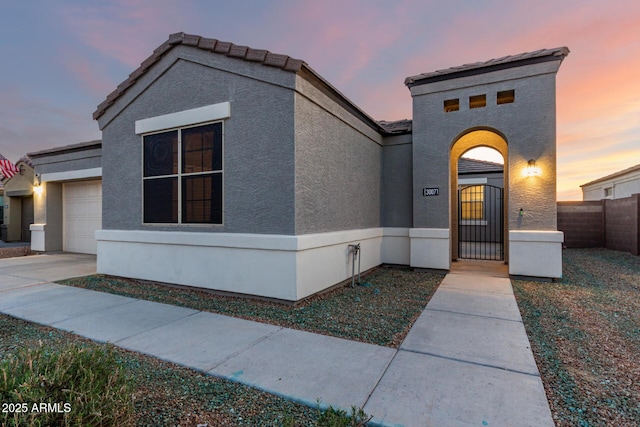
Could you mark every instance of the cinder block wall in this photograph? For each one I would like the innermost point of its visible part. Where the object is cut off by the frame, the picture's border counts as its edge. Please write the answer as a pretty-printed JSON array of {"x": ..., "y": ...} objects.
[
  {"x": 612, "y": 224},
  {"x": 621, "y": 224},
  {"x": 582, "y": 224}
]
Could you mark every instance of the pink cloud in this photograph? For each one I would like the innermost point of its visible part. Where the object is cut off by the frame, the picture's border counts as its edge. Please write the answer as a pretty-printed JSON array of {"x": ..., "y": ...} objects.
[
  {"x": 125, "y": 30},
  {"x": 90, "y": 74},
  {"x": 342, "y": 39}
]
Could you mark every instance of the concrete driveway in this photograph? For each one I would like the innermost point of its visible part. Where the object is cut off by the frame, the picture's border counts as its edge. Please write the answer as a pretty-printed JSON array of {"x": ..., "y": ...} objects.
[{"x": 30, "y": 270}]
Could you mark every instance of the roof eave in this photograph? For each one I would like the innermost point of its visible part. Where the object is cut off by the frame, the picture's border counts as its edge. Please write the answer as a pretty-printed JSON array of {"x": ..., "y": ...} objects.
[
  {"x": 260, "y": 56},
  {"x": 82, "y": 146},
  {"x": 623, "y": 172},
  {"x": 557, "y": 54}
]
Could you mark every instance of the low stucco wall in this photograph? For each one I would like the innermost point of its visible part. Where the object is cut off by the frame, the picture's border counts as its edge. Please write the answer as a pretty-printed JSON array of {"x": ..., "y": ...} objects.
[{"x": 274, "y": 266}]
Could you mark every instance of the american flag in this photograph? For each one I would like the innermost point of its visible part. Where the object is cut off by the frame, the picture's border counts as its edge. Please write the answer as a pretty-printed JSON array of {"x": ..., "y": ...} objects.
[{"x": 7, "y": 168}]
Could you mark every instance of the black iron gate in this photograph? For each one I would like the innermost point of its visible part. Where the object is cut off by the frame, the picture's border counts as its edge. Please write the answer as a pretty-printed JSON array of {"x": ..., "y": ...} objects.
[{"x": 480, "y": 222}]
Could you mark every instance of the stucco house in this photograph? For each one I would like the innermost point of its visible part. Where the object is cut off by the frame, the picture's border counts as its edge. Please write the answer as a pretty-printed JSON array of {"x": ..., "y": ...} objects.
[
  {"x": 241, "y": 170},
  {"x": 617, "y": 185}
]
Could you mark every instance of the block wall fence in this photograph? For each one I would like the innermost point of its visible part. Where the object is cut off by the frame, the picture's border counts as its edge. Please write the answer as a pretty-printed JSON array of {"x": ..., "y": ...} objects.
[{"x": 611, "y": 224}]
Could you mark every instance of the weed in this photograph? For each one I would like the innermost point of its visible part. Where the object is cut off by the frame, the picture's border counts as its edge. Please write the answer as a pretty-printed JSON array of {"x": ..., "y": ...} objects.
[{"x": 75, "y": 386}]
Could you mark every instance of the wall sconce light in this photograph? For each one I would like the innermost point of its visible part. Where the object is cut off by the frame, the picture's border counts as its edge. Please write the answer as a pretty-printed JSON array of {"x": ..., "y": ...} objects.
[
  {"x": 37, "y": 184},
  {"x": 532, "y": 169}
]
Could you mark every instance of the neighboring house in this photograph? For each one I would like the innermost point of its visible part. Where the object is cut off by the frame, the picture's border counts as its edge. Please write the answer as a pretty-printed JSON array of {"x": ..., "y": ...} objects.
[
  {"x": 615, "y": 186},
  {"x": 69, "y": 203},
  {"x": 18, "y": 208},
  {"x": 241, "y": 170}
]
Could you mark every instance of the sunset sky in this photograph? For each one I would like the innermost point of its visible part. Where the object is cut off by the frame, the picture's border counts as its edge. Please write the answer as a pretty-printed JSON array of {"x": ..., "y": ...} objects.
[{"x": 60, "y": 59}]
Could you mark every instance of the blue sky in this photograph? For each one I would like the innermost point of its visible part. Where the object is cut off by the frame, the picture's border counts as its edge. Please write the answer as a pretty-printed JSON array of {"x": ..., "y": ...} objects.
[{"x": 60, "y": 59}]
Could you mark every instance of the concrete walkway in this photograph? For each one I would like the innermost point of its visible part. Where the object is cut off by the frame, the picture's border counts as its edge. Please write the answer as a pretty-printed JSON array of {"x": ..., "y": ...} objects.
[{"x": 465, "y": 362}]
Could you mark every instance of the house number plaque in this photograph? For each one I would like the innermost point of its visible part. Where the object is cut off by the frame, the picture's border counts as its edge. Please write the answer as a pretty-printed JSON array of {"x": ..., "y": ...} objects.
[{"x": 431, "y": 191}]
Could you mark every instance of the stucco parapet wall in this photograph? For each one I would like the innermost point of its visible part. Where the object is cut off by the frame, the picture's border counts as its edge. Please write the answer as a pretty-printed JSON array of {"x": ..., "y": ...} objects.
[{"x": 487, "y": 78}]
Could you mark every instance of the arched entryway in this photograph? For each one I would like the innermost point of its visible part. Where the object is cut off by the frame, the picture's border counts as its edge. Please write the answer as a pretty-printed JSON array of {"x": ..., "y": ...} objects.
[{"x": 473, "y": 138}]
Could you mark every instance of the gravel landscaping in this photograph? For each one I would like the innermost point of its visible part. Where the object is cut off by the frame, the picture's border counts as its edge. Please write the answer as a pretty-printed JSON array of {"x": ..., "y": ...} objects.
[
  {"x": 380, "y": 312},
  {"x": 585, "y": 335}
]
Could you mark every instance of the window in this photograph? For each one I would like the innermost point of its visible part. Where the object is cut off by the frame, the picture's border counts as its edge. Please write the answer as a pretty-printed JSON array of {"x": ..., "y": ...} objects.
[
  {"x": 451, "y": 105},
  {"x": 506, "y": 97},
  {"x": 472, "y": 202},
  {"x": 477, "y": 101},
  {"x": 182, "y": 176},
  {"x": 608, "y": 192}
]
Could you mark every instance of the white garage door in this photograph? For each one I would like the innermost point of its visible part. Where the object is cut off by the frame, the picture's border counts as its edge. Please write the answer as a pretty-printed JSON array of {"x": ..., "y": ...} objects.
[{"x": 82, "y": 215}]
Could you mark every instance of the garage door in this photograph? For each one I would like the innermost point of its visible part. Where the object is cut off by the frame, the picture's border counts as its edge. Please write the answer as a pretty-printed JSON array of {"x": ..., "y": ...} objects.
[{"x": 82, "y": 215}]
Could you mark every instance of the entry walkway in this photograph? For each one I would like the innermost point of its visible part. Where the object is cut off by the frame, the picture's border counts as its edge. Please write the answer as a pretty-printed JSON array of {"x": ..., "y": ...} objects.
[{"x": 466, "y": 361}]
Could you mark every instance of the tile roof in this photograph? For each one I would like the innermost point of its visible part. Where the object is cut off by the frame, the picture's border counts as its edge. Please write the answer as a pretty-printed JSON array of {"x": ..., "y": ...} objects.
[
  {"x": 468, "y": 166},
  {"x": 396, "y": 127},
  {"x": 497, "y": 63},
  {"x": 261, "y": 56}
]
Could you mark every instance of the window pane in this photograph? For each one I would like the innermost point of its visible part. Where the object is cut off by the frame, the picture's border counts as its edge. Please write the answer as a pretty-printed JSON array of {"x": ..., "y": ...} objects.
[
  {"x": 202, "y": 148},
  {"x": 472, "y": 210},
  {"x": 472, "y": 198},
  {"x": 472, "y": 193},
  {"x": 161, "y": 154},
  {"x": 161, "y": 200},
  {"x": 202, "y": 199}
]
